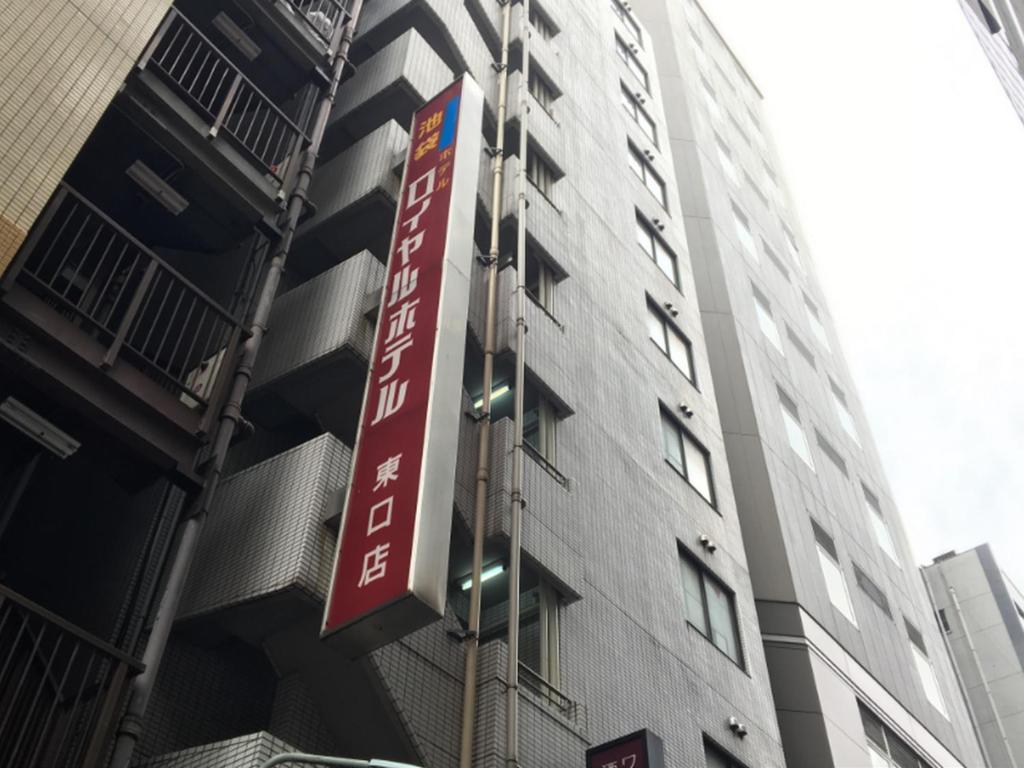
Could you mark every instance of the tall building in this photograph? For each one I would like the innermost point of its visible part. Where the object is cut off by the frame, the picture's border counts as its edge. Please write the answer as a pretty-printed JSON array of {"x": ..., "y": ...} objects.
[
  {"x": 123, "y": 312},
  {"x": 997, "y": 25},
  {"x": 178, "y": 428},
  {"x": 859, "y": 671},
  {"x": 982, "y": 614}
]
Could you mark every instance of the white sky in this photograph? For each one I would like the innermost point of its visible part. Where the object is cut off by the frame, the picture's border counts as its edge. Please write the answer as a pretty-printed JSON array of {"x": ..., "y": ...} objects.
[{"x": 906, "y": 164}]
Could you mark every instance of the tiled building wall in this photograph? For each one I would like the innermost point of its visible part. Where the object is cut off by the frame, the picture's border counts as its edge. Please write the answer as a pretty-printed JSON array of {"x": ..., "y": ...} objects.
[{"x": 62, "y": 62}]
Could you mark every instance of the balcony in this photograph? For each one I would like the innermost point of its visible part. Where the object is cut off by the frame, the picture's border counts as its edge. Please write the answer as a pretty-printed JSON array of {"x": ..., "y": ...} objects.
[
  {"x": 321, "y": 344},
  {"x": 264, "y": 562},
  {"x": 303, "y": 30},
  {"x": 390, "y": 85},
  {"x": 108, "y": 321},
  {"x": 355, "y": 195},
  {"x": 446, "y": 25},
  {"x": 197, "y": 103},
  {"x": 61, "y": 689},
  {"x": 249, "y": 751}
]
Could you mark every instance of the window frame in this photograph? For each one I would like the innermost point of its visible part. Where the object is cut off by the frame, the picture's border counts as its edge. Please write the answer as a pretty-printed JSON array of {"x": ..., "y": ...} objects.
[
  {"x": 539, "y": 20},
  {"x": 684, "y": 437},
  {"x": 668, "y": 327},
  {"x": 638, "y": 70},
  {"x": 829, "y": 555},
  {"x": 766, "y": 320},
  {"x": 647, "y": 174},
  {"x": 640, "y": 116},
  {"x": 704, "y": 575},
  {"x": 628, "y": 21},
  {"x": 541, "y": 89},
  {"x": 789, "y": 408},
  {"x": 925, "y": 669},
  {"x": 540, "y": 173},
  {"x": 741, "y": 224},
  {"x": 845, "y": 416},
  {"x": 657, "y": 247}
]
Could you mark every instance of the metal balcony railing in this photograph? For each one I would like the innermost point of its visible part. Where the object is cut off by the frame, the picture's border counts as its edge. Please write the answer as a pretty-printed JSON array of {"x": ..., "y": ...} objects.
[
  {"x": 322, "y": 16},
  {"x": 89, "y": 269},
  {"x": 218, "y": 91},
  {"x": 549, "y": 694},
  {"x": 60, "y": 688}
]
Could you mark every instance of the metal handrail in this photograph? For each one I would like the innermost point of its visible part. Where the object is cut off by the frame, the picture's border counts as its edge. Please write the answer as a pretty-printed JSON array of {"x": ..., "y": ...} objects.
[
  {"x": 60, "y": 687},
  {"x": 546, "y": 690},
  {"x": 90, "y": 268},
  {"x": 544, "y": 463},
  {"x": 331, "y": 10},
  {"x": 65, "y": 626},
  {"x": 191, "y": 62}
]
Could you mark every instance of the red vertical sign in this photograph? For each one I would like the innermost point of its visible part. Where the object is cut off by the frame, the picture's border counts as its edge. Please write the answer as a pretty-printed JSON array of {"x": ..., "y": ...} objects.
[{"x": 376, "y": 565}]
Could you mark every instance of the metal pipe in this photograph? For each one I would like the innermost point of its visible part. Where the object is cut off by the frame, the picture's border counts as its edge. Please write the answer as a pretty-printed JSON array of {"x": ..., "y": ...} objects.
[
  {"x": 515, "y": 516},
  {"x": 142, "y": 685},
  {"x": 981, "y": 675},
  {"x": 27, "y": 470},
  {"x": 484, "y": 445}
]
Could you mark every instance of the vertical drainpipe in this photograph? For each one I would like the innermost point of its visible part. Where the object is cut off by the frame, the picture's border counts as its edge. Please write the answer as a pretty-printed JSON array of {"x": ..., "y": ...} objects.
[
  {"x": 515, "y": 517},
  {"x": 130, "y": 727},
  {"x": 484, "y": 451}
]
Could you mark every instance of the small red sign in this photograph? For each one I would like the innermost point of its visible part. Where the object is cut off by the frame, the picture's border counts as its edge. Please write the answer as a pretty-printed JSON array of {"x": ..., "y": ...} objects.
[
  {"x": 378, "y": 537},
  {"x": 637, "y": 750}
]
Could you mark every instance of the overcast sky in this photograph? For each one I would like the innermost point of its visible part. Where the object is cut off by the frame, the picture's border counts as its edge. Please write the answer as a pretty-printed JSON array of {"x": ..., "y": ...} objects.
[{"x": 906, "y": 163}]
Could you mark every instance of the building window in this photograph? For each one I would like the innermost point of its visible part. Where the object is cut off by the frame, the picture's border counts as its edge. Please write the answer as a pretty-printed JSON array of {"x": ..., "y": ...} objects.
[
  {"x": 541, "y": 90},
  {"x": 687, "y": 456},
  {"x": 872, "y": 590},
  {"x": 794, "y": 251},
  {"x": 627, "y": 19},
  {"x": 991, "y": 22},
  {"x": 710, "y": 607},
  {"x": 725, "y": 159},
  {"x": 842, "y": 411},
  {"x": 539, "y": 613},
  {"x": 540, "y": 422},
  {"x": 835, "y": 582},
  {"x": 710, "y": 98},
  {"x": 739, "y": 129},
  {"x": 794, "y": 430},
  {"x": 540, "y": 282},
  {"x": 743, "y": 233},
  {"x": 725, "y": 77},
  {"x": 886, "y": 749},
  {"x": 878, "y": 524},
  {"x": 814, "y": 318},
  {"x": 944, "y": 622},
  {"x": 766, "y": 321},
  {"x": 632, "y": 63},
  {"x": 800, "y": 347},
  {"x": 669, "y": 340},
  {"x": 773, "y": 257},
  {"x": 645, "y": 171},
  {"x": 770, "y": 180},
  {"x": 757, "y": 190},
  {"x": 715, "y": 757},
  {"x": 657, "y": 250},
  {"x": 925, "y": 670},
  {"x": 541, "y": 24},
  {"x": 540, "y": 173},
  {"x": 833, "y": 455},
  {"x": 631, "y": 103}
]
